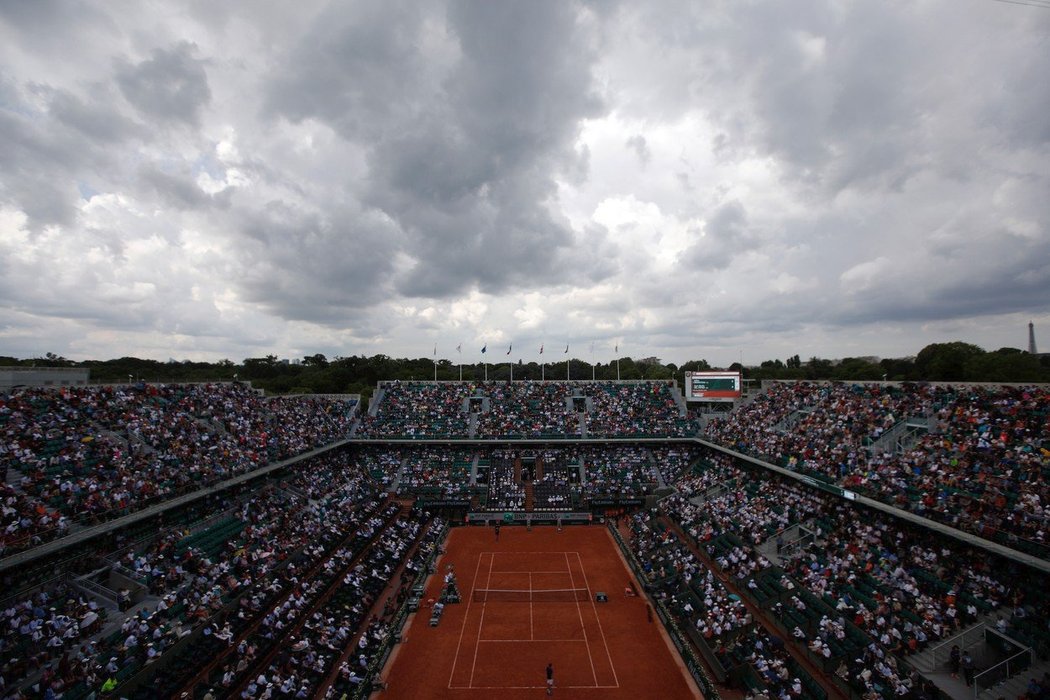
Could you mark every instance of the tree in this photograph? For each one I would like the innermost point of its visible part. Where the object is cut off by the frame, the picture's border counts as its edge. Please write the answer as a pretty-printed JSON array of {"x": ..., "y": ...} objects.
[
  {"x": 857, "y": 369},
  {"x": 260, "y": 367},
  {"x": 817, "y": 368},
  {"x": 946, "y": 362},
  {"x": 695, "y": 366},
  {"x": 52, "y": 360},
  {"x": 1005, "y": 365},
  {"x": 901, "y": 369},
  {"x": 317, "y": 360}
]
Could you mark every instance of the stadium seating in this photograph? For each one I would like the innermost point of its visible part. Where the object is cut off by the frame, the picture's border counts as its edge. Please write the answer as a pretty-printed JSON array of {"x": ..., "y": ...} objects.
[
  {"x": 975, "y": 457},
  {"x": 872, "y": 590},
  {"x": 275, "y": 584},
  {"x": 527, "y": 410},
  {"x": 85, "y": 455}
]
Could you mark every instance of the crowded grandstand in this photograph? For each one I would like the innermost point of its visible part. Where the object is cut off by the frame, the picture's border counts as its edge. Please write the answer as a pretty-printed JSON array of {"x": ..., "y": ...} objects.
[{"x": 819, "y": 539}]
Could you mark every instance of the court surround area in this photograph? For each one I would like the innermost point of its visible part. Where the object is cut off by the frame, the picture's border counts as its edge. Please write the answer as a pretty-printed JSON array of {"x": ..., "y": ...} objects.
[{"x": 528, "y": 599}]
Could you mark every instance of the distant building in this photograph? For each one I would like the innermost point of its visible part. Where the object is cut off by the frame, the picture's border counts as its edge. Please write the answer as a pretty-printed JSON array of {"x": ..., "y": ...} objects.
[{"x": 42, "y": 377}]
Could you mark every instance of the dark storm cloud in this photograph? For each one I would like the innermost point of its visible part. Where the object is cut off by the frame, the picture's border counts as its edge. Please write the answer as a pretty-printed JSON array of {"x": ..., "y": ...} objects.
[
  {"x": 179, "y": 190},
  {"x": 358, "y": 68},
  {"x": 461, "y": 154},
  {"x": 726, "y": 235},
  {"x": 831, "y": 91},
  {"x": 516, "y": 95},
  {"x": 318, "y": 266},
  {"x": 1023, "y": 110},
  {"x": 854, "y": 97},
  {"x": 47, "y": 23},
  {"x": 95, "y": 120},
  {"x": 170, "y": 86},
  {"x": 36, "y": 173},
  {"x": 47, "y": 152},
  {"x": 999, "y": 274}
]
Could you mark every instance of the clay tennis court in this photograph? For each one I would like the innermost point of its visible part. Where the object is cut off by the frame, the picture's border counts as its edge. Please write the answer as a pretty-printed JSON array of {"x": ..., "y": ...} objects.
[{"x": 528, "y": 600}]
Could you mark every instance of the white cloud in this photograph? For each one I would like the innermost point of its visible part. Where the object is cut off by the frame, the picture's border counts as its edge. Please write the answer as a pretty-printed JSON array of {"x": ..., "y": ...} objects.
[{"x": 860, "y": 278}]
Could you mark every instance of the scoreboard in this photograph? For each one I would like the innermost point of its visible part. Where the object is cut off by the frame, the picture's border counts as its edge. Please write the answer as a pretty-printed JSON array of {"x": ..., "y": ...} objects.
[{"x": 712, "y": 386}]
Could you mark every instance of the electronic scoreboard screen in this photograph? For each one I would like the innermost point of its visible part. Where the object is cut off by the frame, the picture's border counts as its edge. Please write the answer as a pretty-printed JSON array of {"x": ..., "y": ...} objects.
[{"x": 712, "y": 386}]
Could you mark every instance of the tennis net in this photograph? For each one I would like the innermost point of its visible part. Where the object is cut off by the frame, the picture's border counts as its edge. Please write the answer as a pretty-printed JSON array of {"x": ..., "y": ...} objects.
[{"x": 550, "y": 595}]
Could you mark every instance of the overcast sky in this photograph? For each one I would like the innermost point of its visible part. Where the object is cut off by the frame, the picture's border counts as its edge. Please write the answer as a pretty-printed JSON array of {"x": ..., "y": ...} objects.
[{"x": 721, "y": 180}]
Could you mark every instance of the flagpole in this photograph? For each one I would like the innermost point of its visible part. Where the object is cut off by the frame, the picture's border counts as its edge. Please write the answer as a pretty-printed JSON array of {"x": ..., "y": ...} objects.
[
  {"x": 592, "y": 360},
  {"x": 459, "y": 349}
]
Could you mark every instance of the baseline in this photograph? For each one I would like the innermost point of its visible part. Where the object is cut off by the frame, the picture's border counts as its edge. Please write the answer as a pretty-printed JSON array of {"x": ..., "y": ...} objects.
[{"x": 538, "y": 641}]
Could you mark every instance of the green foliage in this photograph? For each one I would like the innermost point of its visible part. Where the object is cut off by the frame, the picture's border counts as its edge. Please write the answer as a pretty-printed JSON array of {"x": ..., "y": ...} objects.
[
  {"x": 1006, "y": 365},
  {"x": 955, "y": 361},
  {"x": 946, "y": 362}
]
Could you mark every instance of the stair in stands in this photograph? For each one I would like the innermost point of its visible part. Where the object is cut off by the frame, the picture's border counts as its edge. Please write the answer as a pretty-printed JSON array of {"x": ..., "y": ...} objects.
[
  {"x": 1017, "y": 685},
  {"x": 14, "y": 479},
  {"x": 530, "y": 497}
]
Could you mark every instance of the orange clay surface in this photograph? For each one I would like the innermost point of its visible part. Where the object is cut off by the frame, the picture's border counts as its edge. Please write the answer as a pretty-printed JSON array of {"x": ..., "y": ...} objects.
[{"x": 501, "y": 649}]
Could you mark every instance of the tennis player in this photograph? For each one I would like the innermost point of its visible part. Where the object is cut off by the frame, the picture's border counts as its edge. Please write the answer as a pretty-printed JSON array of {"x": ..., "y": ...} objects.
[{"x": 550, "y": 678}]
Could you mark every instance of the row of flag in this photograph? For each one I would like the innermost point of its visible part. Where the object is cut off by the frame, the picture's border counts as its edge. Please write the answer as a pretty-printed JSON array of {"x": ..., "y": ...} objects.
[{"x": 485, "y": 348}]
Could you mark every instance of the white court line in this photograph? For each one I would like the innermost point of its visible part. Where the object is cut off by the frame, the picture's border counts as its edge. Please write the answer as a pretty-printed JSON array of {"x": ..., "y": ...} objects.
[
  {"x": 526, "y": 641},
  {"x": 583, "y": 626},
  {"x": 511, "y": 571},
  {"x": 466, "y": 614},
  {"x": 524, "y": 687},
  {"x": 564, "y": 551},
  {"x": 481, "y": 622},
  {"x": 595, "y": 607},
  {"x": 532, "y": 634}
]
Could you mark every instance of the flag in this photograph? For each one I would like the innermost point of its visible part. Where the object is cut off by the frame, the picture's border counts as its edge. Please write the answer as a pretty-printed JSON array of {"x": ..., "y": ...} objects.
[
  {"x": 509, "y": 348},
  {"x": 566, "y": 350},
  {"x": 541, "y": 348},
  {"x": 459, "y": 348},
  {"x": 435, "y": 350},
  {"x": 484, "y": 347},
  {"x": 617, "y": 348}
]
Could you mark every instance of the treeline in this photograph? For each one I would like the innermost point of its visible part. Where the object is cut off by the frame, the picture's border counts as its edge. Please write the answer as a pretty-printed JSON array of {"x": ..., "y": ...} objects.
[
  {"x": 956, "y": 361},
  {"x": 939, "y": 362}
]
